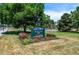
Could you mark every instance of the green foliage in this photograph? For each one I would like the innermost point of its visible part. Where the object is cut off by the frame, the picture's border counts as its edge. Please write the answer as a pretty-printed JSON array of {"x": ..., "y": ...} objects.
[
  {"x": 27, "y": 41},
  {"x": 47, "y": 22},
  {"x": 21, "y": 14},
  {"x": 75, "y": 18},
  {"x": 65, "y": 23}
]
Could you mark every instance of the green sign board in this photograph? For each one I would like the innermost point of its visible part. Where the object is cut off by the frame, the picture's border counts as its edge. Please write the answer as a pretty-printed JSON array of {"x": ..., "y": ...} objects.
[{"x": 38, "y": 32}]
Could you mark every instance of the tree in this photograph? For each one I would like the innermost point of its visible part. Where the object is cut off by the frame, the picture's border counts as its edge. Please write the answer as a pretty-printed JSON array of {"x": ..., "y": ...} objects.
[
  {"x": 65, "y": 23},
  {"x": 22, "y": 15},
  {"x": 46, "y": 21},
  {"x": 75, "y": 18},
  {"x": 52, "y": 24}
]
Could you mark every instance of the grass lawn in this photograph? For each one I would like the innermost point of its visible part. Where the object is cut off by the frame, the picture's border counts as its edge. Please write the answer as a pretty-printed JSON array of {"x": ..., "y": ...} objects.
[
  {"x": 68, "y": 43},
  {"x": 69, "y": 35}
]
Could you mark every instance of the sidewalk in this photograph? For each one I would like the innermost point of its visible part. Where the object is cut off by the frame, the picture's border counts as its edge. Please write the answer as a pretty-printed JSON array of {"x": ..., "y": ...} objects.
[
  {"x": 51, "y": 30},
  {"x": 2, "y": 31}
]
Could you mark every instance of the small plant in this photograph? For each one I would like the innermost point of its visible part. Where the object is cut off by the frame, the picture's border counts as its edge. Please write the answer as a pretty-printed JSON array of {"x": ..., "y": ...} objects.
[
  {"x": 26, "y": 41},
  {"x": 50, "y": 37},
  {"x": 36, "y": 39}
]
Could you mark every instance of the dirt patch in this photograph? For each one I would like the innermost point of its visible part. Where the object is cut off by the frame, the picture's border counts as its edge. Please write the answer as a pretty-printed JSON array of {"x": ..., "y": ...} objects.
[
  {"x": 42, "y": 47},
  {"x": 10, "y": 44}
]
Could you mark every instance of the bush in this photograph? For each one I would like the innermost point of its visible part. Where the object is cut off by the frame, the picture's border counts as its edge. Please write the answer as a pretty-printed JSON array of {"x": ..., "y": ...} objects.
[
  {"x": 23, "y": 35},
  {"x": 37, "y": 39},
  {"x": 50, "y": 37}
]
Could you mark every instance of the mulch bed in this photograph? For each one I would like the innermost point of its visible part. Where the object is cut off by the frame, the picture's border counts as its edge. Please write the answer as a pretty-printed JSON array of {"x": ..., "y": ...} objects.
[{"x": 23, "y": 36}]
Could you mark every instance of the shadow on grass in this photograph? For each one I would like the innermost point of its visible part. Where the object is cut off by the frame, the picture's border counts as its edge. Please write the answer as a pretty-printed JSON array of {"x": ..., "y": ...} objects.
[
  {"x": 69, "y": 32},
  {"x": 74, "y": 32},
  {"x": 14, "y": 32}
]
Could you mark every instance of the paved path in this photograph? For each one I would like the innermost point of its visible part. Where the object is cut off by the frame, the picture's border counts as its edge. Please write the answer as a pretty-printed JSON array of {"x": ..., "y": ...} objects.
[
  {"x": 51, "y": 30},
  {"x": 3, "y": 30}
]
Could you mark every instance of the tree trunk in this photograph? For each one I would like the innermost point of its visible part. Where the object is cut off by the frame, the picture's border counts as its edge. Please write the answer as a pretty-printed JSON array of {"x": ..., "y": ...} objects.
[
  {"x": 77, "y": 29},
  {"x": 24, "y": 28}
]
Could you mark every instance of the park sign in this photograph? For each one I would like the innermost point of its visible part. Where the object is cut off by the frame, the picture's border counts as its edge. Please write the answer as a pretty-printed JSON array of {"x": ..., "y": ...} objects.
[{"x": 38, "y": 32}]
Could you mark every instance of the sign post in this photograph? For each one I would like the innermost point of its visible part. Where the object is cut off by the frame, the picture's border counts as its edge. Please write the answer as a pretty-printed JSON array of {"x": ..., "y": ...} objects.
[{"x": 38, "y": 32}]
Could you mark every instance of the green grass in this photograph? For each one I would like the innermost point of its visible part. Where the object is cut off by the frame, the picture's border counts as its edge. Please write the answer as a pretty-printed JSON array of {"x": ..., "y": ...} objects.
[{"x": 71, "y": 35}]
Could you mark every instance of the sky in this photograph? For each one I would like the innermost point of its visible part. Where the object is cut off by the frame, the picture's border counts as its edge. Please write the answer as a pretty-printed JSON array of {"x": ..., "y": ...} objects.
[{"x": 56, "y": 10}]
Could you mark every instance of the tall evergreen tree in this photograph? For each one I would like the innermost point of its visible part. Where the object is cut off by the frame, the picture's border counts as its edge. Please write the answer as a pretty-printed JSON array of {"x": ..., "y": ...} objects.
[
  {"x": 75, "y": 18},
  {"x": 65, "y": 23}
]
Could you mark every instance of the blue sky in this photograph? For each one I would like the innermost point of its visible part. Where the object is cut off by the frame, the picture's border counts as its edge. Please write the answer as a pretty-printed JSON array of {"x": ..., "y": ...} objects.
[{"x": 56, "y": 10}]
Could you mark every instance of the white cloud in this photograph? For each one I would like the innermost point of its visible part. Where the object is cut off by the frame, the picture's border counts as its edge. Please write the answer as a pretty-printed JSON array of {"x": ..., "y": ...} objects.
[
  {"x": 55, "y": 15},
  {"x": 55, "y": 12}
]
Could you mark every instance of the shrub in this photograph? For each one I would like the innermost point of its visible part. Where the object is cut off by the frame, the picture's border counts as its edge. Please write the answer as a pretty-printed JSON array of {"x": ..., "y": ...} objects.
[
  {"x": 23, "y": 35},
  {"x": 50, "y": 37},
  {"x": 37, "y": 39}
]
